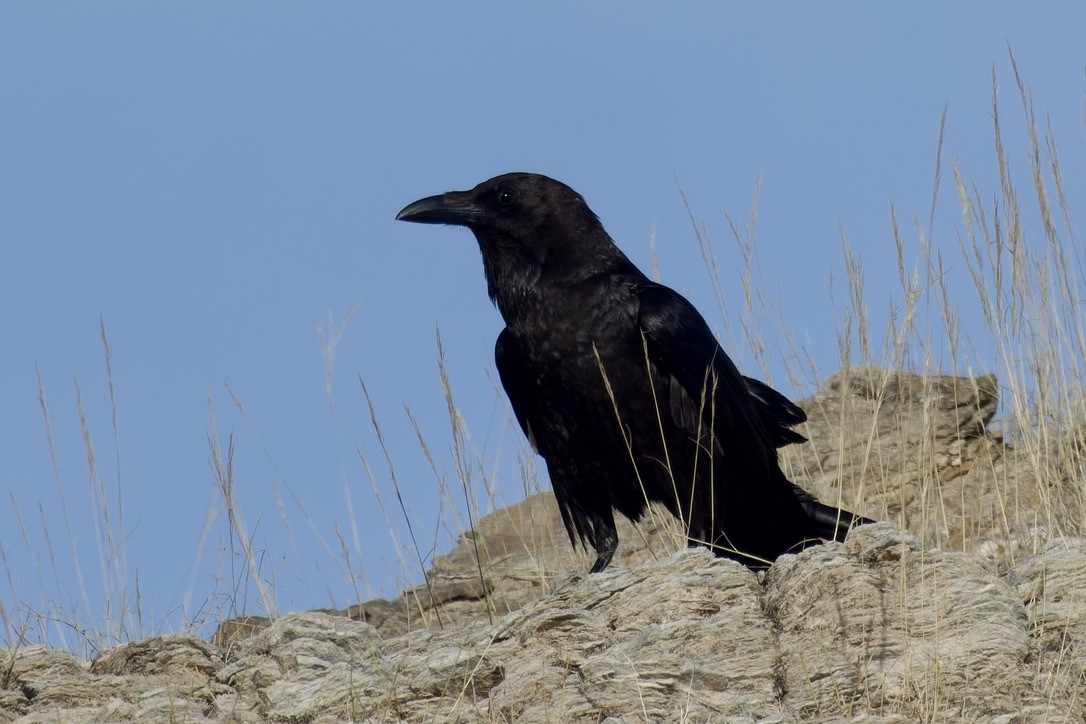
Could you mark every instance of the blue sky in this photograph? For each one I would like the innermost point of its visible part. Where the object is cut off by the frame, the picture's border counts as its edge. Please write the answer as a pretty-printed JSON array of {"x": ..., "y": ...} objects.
[{"x": 216, "y": 183}]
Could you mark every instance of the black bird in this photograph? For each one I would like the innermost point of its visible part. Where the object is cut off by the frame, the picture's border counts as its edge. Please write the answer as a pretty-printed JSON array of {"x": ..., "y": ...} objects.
[{"x": 620, "y": 385}]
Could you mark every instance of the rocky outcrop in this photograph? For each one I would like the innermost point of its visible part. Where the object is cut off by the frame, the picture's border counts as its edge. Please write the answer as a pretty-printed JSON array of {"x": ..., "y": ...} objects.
[
  {"x": 893, "y": 446},
  {"x": 913, "y": 449},
  {"x": 876, "y": 629},
  {"x": 950, "y": 610}
]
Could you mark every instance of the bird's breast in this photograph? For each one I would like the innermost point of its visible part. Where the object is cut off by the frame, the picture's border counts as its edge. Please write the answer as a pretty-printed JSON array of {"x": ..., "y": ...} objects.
[{"x": 579, "y": 354}]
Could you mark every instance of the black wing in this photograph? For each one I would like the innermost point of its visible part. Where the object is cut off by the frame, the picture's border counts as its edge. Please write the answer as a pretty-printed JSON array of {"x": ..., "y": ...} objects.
[
  {"x": 702, "y": 377},
  {"x": 517, "y": 381},
  {"x": 586, "y": 509},
  {"x": 777, "y": 412},
  {"x": 741, "y": 505}
]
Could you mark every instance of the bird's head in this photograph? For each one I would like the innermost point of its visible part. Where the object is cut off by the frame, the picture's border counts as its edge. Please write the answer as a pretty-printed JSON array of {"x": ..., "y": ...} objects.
[
  {"x": 510, "y": 207},
  {"x": 529, "y": 227}
]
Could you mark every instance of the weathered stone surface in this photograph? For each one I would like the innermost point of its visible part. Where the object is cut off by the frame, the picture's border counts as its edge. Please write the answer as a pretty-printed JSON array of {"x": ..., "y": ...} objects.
[
  {"x": 683, "y": 636},
  {"x": 878, "y": 629},
  {"x": 881, "y": 624},
  {"x": 1052, "y": 587},
  {"x": 140, "y": 689},
  {"x": 176, "y": 655},
  {"x": 976, "y": 614},
  {"x": 308, "y": 664},
  {"x": 904, "y": 447}
]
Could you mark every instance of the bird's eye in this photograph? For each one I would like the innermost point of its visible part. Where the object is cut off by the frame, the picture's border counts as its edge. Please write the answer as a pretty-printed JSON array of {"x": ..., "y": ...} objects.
[{"x": 506, "y": 197}]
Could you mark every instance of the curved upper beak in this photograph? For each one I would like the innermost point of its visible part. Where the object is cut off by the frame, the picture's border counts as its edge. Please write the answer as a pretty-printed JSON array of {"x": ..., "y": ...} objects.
[{"x": 454, "y": 207}]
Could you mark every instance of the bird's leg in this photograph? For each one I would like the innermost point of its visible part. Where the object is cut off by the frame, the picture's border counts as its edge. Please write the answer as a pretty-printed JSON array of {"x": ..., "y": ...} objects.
[{"x": 605, "y": 550}]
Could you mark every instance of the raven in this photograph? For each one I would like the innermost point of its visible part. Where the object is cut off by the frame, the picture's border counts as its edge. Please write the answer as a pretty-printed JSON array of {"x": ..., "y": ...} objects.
[{"x": 621, "y": 387}]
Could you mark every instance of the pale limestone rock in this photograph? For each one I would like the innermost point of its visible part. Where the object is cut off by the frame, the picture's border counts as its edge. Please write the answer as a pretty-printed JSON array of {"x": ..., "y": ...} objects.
[{"x": 980, "y": 617}]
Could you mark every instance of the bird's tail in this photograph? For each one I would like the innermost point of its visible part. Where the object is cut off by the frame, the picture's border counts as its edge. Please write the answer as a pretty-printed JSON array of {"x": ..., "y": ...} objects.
[
  {"x": 831, "y": 523},
  {"x": 827, "y": 522}
]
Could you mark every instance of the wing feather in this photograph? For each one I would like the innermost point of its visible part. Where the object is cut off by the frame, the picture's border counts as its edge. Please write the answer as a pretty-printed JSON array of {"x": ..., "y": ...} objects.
[{"x": 684, "y": 350}]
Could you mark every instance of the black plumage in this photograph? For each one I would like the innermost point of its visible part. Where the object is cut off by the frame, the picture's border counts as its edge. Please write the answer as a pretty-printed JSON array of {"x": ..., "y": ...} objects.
[{"x": 622, "y": 388}]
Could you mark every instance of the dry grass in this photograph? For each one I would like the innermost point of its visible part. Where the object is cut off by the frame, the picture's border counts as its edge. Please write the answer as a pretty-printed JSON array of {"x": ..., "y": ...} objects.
[
  {"x": 1025, "y": 273},
  {"x": 1024, "y": 265}
]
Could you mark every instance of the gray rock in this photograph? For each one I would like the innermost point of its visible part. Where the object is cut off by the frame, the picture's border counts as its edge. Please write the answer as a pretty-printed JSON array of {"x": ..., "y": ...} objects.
[
  {"x": 875, "y": 629},
  {"x": 975, "y": 614}
]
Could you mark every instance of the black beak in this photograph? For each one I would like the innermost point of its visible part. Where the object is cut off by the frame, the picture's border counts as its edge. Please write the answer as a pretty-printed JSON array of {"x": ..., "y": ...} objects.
[{"x": 455, "y": 207}]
